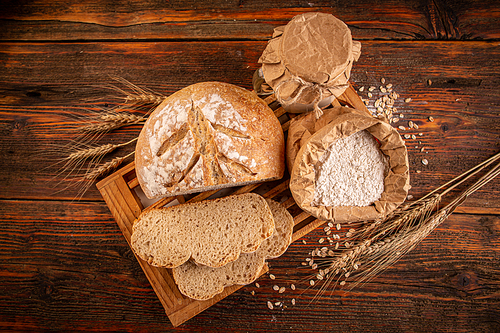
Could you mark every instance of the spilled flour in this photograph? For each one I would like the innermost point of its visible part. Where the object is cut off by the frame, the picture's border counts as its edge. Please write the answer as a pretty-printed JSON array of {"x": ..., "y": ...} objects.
[{"x": 351, "y": 172}]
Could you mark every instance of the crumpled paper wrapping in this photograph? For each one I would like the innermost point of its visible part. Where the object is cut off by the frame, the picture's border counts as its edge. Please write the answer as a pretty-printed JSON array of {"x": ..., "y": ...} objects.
[
  {"x": 309, "y": 138},
  {"x": 308, "y": 61}
]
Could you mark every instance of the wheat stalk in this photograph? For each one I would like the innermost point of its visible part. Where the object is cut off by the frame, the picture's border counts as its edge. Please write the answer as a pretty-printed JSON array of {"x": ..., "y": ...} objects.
[
  {"x": 384, "y": 242},
  {"x": 105, "y": 168},
  {"x": 89, "y": 153},
  {"x": 135, "y": 94}
]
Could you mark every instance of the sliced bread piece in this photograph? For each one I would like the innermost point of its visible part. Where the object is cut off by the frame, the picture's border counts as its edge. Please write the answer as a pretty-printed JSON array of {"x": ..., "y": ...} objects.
[
  {"x": 211, "y": 232},
  {"x": 202, "y": 282}
]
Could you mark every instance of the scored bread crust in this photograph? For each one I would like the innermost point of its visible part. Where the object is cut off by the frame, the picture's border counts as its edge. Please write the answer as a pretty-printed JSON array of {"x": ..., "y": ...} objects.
[
  {"x": 208, "y": 136},
  {"x": 202, "y": 282},
  {"x": 211, "y": 232}
]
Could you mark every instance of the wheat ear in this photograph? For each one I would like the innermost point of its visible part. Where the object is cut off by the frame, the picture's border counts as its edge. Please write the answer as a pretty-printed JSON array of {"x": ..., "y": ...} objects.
[
  {"x": 93, "y": 155},
  {"x": 375, "y": 253},
  {"x": 92, "y": 175},
  {"x": 135, "y": 94},
  {"x": 105, "y": 168}
]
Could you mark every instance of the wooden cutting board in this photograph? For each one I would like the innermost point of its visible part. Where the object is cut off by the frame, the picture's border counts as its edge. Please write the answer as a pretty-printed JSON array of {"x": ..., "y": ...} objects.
[{"x": 121, "y": 192}]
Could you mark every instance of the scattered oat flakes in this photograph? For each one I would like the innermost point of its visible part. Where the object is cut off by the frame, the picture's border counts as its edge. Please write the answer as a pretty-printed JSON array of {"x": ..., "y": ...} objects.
[
  {"x": 414, "y": 137},
  {"x": 410, "y": 124},
  {"x": 311, "y": 282},
  {"x": 321, "y": 240},
  {"x": 382, "y": 89},
  {"x": 342, "y": 283},
  {"x": 253, "y": 293},
  {"x": 407, "y": 136},
  {"x": 356, "y": 266},
  {"x": 429, "y": 81},
  {"x": 292, "y": 286},
  {"x": 282, "y": 290},
  {"x": 276, "y": 288},
  {"x": 408, "y": 100},
  {"x": 431, "y": 119},
  {"x": 277, "y": 303},
  {"x": 371, "y": 88},
  {"x": 402, "y": 128},
  {"x": 269, "y": 305},
  {"x": 401, "y": 115},
  {"x": 257, "y": 284},
  {"x": 314, "y": 266},
  {"x": 272, "y": 276},
  {"x": 304, "y": 263},
  {"x": 425, "y": 162},
  {"x": 293, "y": 301},
  {"x": 361, "y": 89},
  {"x": 304, "y": 241},
  {"x": 389, "y": 86},
  {"x": 370, "y": 95},
  {"x": 338, "y": 226},
  {"x": 415, "y": 126}
]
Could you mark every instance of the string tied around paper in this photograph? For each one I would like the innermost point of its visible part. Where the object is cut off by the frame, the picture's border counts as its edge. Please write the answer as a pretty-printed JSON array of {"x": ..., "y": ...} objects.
[{"x": 317, "y": 88}]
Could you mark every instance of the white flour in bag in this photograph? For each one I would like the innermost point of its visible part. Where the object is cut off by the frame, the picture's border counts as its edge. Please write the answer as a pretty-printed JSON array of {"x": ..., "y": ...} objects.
[{"x": 351, "y": 172}]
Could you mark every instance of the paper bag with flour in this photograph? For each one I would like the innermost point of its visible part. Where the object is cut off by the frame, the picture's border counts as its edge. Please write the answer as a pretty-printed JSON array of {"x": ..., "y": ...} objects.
[{"x": 309, "y": 139}]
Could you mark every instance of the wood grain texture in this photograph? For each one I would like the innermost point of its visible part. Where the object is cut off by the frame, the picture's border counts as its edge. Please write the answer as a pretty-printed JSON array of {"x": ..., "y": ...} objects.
[
  {"x": 41, "y": 102},
  {"x": 67, "y": 266},
  {"x": 254, "y": 20}
]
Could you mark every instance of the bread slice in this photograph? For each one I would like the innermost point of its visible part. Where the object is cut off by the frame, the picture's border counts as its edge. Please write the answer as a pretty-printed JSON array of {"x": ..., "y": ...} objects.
[
  {"x": 211, "y": 232},
  {"x": 202, "y": 282}
]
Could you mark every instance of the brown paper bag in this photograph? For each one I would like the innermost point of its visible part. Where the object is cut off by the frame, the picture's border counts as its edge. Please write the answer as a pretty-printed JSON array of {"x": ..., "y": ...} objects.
[
  {"x": 308, "y": 62},
  {"x": 308, "y": 140}
]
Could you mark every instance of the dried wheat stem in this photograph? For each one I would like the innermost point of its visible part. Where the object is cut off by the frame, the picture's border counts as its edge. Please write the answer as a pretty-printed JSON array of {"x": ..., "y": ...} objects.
[
  {"x": 105, "y": 168},
  {"x": 97, "y": 151},
  {"x": 138, "y": 95},
  {"x": 121, "y": 118},
  {"x": 464, "y": 176},
  {"x": 111, "y": 121},
  {"x": 374, "y": 257}
]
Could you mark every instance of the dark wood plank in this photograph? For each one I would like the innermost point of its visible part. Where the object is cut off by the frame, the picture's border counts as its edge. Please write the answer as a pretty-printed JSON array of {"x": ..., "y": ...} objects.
[
  {"x": 34, "y": 103},
  {"x": 125, "y": 20},
  {"x": 66, "y": 266}
]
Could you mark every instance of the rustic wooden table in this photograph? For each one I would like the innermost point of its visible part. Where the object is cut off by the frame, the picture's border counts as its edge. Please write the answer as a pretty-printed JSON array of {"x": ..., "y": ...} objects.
[{"x": 64, "y": 263}]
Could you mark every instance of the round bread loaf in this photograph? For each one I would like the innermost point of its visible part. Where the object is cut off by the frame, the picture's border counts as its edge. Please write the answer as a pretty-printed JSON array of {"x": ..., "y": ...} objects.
[{"x": 208, "y": 136}]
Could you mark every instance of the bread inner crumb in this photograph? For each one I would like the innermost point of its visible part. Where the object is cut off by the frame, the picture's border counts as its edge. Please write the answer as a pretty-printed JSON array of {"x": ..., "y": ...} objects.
[{"x": 351, "y": 172}]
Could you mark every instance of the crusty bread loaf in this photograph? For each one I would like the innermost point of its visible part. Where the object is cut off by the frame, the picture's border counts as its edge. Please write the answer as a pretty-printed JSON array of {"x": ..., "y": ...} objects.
[
  {"x": 211, "y": 232},
  {"x": 202, "y": 282},
  {"x": 208, "y": 136}
]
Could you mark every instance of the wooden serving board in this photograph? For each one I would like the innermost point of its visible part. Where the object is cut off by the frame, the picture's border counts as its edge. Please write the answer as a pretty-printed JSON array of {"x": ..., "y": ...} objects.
[{"x": 121, "y": 192}]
